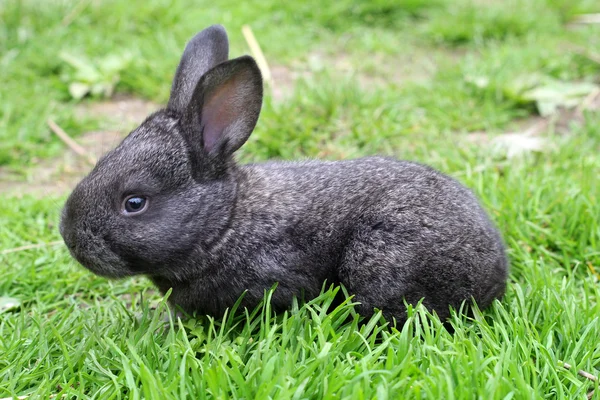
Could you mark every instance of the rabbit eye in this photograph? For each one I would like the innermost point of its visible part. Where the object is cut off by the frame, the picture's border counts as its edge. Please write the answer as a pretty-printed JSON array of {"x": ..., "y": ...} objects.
[{"x": 134, "y": 204}]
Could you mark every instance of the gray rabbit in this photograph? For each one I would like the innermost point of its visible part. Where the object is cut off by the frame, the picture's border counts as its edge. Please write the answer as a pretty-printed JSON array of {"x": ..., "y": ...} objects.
[{"x": 171, "y": 203}]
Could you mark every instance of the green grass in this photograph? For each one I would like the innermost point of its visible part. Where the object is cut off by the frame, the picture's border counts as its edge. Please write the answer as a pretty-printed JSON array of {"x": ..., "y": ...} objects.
[{"x": 78, "y": 335}]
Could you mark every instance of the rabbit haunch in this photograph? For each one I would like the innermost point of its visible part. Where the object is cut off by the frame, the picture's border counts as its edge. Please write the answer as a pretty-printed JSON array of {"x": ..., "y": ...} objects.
[{"x": 390, "y": 231}]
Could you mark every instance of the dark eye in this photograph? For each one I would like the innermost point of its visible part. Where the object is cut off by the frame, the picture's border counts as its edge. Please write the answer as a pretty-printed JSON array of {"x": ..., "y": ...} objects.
[{"x": 135, "y": 204}]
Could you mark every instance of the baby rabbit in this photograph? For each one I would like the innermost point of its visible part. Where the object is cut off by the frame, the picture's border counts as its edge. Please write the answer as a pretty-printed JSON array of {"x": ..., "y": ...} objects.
[{"x": 171, "y": 203}]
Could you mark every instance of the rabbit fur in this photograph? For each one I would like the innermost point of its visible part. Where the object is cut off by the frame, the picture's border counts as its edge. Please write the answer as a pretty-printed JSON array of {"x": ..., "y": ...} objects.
[{"x": 390, "y": 231}]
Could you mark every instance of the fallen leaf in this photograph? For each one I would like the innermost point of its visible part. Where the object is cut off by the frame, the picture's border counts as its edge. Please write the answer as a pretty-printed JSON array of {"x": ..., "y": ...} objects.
[
  {"x": 9, "y": 304},
  {"x": 78, "y": 90},
  {"x": 97, "y": 77},
  {"x": 515, "y": 144},
  {"x": 548, "y": 94}
]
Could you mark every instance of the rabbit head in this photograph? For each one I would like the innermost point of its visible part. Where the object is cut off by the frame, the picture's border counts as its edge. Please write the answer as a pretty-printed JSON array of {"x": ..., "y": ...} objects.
[{"x": 168, "y": 189}]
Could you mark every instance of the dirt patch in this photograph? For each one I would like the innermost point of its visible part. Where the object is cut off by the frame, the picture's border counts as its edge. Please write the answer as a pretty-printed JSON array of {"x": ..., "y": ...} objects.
[
  {"x": 284, "y": 80},
  {"x": 531, "y": 134},
  {"x": 121, "y": 109},
  {"x": 58, "y": 176},
  {"x": 561, "y": 123},
  {"x": 376, "y": 71}
]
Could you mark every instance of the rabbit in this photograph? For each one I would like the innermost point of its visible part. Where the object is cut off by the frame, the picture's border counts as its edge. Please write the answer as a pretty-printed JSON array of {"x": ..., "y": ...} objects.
[{"x": 171, "y": 203}]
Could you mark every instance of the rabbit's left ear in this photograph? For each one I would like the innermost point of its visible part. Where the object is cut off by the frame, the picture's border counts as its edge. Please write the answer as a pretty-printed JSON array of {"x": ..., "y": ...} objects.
[
  {"x": 224, "y": 108},
  {"x": 205, "y": 50}
]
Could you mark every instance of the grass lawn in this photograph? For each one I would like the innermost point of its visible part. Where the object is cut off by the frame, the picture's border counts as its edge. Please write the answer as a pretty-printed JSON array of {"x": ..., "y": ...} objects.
[{"x": 440, "y": 82}]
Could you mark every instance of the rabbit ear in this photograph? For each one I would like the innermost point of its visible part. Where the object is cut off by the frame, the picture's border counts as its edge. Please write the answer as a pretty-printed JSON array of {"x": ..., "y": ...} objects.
[
  {"x": 224, "y": 107},
  {"x": 207, "y": 49}
]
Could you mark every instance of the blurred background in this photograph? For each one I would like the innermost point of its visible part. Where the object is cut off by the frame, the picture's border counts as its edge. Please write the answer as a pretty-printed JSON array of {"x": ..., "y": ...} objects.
[{"x": 418, "y": 79}]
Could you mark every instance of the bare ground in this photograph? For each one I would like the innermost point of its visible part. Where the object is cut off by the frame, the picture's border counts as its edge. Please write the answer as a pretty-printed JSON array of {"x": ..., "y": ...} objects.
[
  {"x": 536, "y": 127},
  {"x": 57, "y": 176},
  {"x": 378, "y": 71}
]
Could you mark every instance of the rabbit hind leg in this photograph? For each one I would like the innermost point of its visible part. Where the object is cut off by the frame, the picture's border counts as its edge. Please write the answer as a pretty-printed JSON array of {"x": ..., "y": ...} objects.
[{"x": 384, "y": 271}]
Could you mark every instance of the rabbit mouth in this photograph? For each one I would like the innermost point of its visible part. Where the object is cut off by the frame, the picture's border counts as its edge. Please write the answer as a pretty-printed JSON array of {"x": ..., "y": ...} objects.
[
  {"x": 102, "y": 261},
  {"x": 112, "y": 269},
  {"x": 94, "y": 254}
]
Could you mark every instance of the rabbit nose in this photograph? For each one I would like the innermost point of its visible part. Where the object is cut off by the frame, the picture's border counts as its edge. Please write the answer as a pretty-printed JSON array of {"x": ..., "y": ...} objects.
[
  {"x": 69, "y": 229},
  {"x": 65, "y": 227},
  {"x": 68, "y": 237}
]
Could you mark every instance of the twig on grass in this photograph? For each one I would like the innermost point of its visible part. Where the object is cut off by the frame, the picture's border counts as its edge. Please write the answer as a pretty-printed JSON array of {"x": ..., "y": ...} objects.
[
  {"x": 586, "y": 375},
  {"x": 71, "y": 143},
  {"x": 581, "y": 372},
  {"x": 30, "y": 247},
  {"x": 258, "y": 54}
]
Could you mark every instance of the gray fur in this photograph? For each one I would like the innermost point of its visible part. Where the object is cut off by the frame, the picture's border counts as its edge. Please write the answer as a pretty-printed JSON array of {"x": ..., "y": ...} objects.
[
  {"x": 205, "y": 50},
  {"x": 388, "y": 230}
]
